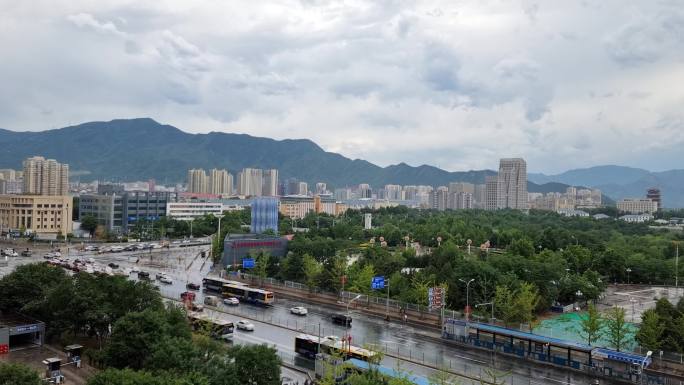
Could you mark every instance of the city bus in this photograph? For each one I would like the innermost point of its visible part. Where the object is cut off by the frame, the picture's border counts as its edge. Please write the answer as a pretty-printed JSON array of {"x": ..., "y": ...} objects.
[
  {"x": 215, "y": 284},
  {"x": 308, "y": 346},
  {"x": 248, "y": 294},
  {"x": 217, "y": 328}
]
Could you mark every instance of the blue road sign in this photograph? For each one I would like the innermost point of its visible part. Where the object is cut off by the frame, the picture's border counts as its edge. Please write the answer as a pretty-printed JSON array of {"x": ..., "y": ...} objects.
[
  {"x": 378, "y": 282},
  {"x": 248, "y": 263}
]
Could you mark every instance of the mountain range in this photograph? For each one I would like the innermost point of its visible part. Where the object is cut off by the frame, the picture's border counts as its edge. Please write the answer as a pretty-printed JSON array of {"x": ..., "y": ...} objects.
[
  {"x": 623, "y": 182},
  {"x": 139, "y": 149}
]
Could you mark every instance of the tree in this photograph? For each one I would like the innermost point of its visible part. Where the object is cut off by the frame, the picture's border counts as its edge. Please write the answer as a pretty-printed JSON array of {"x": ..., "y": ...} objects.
[
  {"x": 442, "y": 377},
  {"x": 256, "y": 364},
  {"x": 89, "y": 224},
  {"x": 18, "y": 374},
  {"x": 360, "y": 280},
  {"x": 616, "y": 327},
  {"x": 505, "y": 305},
  {"x": 261, "y": 265},
  {"x": 526, "y": 300},
  {"x": 312, "y": 270},
  {"x": 650, "y": 334},
  {"x": 131, "y": 377},
  {"x": 591, "y": 325}
]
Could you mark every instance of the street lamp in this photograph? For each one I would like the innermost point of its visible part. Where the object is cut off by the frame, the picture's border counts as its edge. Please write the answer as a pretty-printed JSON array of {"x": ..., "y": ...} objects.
[
  {"x": 628, "y": 270},
  {"x": 346, "y": 320},
  {"x": 485, "y": 304},
  {"x": 467, "y": 295},
  {"x": 578, "y": 294}
]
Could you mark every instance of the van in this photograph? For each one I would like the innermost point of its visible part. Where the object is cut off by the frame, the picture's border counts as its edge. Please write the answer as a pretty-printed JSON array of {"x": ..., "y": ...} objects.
[{"x": 211, "y": 300}]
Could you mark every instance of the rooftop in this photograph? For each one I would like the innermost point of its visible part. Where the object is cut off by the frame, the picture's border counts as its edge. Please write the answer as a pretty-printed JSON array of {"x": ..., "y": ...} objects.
[{"x": 14, "y": 319}]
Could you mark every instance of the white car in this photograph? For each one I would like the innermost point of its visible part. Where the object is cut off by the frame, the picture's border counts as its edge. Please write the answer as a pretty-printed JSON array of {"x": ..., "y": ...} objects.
[
  {"x": 299, "y": 310},
  {"x": 165, "y": 279},
  {"x": 231, "y": 301},
  {"x": 245, "y": 325}
]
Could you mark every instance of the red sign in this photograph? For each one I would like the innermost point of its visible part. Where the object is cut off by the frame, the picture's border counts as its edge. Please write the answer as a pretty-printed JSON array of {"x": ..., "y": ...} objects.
[{"x": 4, "y": 349}]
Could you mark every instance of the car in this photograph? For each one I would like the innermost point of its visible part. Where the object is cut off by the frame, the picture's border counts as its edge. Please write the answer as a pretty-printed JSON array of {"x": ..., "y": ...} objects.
[
  {"x": 196, "y": 307},
  {"x": 192, "y": 286},
  {"x": 113, "y": 265},
  {"x": 187, "y": 296},
  {"x": 26, "y": 253},
  {"x": 90, "y": 248},
  {"x": 159, "y": 275},
  {"x": 211, "y": 300},
  {"x": 245, "y": 325},
  {"x": 342, "y": 319},
  {"x": 49, "y": 256},
  {"x": 165, "y": 279},
  {"x": 144, "y": 275},
  {"x": 232, "y": 301},
  {"x": 134, "y": 269},
  {"x": 176, "y": 242},
  {"x": 57, "y": 254},
  {"x": 299, "y": 310}
]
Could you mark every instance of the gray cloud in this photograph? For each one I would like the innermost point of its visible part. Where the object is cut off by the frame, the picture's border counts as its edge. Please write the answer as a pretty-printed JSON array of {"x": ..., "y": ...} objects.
[{"x": 455, "y": 84}]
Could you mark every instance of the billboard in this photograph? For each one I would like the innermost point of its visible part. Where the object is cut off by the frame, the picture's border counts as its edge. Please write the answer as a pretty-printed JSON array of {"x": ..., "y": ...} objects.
[{"x": 248, "y": 263}]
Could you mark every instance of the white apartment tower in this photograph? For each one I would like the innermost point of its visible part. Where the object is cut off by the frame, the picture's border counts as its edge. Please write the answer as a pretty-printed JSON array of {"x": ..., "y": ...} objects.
[
  {"x": 45, "y": 176},
  {"x": 220, "y": 182},
  {"x": 512, "y": 184},
  {"x": 251, "y": 182},
  {"x": 197, "y": 181},
  {"x": 491, "y": 188}
]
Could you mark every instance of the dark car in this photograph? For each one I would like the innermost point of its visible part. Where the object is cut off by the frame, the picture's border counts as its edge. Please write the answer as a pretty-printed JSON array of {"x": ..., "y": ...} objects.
[
  {"x": 192, "y": 286},
  {"x": 143, "y": 275},
  {"x": 342, "y": 319},
  {"x": 113, "y": 265}
]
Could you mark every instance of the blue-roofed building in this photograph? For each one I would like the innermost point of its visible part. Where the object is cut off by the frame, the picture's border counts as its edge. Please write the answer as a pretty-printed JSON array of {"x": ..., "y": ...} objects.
[{"x": 264, "y": 214}]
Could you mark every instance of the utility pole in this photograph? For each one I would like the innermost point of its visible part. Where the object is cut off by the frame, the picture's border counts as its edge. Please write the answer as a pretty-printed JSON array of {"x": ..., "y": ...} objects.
[{"x": 676, "y": 264}]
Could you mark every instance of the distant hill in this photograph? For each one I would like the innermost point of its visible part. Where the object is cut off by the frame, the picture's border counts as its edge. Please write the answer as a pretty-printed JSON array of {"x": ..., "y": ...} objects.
[
  {"x": 623, "y": 182},
  {"x": 138, "y": 149}
]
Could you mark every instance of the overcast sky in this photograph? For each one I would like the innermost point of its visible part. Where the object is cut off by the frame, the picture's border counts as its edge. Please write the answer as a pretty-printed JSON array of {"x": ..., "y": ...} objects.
[{"x": 455, "y": 84}]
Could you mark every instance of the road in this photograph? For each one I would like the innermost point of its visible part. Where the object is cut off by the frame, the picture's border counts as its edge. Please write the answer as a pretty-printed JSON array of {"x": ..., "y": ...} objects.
[{"x": 276, "y": 326}]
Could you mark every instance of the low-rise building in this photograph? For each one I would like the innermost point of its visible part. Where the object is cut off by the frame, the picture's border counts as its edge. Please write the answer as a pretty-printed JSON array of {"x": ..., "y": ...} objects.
[
  {"x": 188, "y": 211},
  {"x": 297, "y": 206},
  {"x": 637, "y": 206},
  {"x": 238, "y": 246},
  {"x": 118, "y": 212},
  {"x": 637, "y": 218},
  {"x": 38, "y": 214}
]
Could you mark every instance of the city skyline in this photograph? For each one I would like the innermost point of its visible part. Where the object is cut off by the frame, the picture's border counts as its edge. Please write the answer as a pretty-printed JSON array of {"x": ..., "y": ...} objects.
[{"x": 429, "y": 74}]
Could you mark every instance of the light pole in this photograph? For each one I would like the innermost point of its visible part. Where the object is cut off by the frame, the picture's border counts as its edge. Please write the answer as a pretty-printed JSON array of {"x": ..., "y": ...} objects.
[
  {"x": 346, "y": 322},
  {"x": 578, "y": 294},
  {"x": 628, "y": 270},
  {"x": 485, "y": 304},
  {"x": 467, "y": 296},
  {"x": 676, "y": 264}
]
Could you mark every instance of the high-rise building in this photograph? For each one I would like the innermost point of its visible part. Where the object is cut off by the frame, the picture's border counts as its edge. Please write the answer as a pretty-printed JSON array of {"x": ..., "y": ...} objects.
[
  {"x": 343, "y": 194},
  {"x": 479, "y": 196},
  {"x": 220, "y": 182},
  {"x": 321, "y": 188},
  {"x": 365, "y": 191},
  {"x": 45, "y": 176},
  {"x": 455, "y": 188},
  {"x": 439, "y": 197},
  {"x": 197, "y": 181},
  {"x": 491, "y": 191},
  {"x": 464, "y": 200},
  {"x": 654, "y": 194},
  {"x": 512, "y": 184},
  {"x": 264, "y": 214},
  {"x": 291, "y": 186},
  {"x": 251, "y": 182},
  {"x": 270, "y": 183},
  {"x": 393, "y": 192},
  {"x": 303, "y": 188}
]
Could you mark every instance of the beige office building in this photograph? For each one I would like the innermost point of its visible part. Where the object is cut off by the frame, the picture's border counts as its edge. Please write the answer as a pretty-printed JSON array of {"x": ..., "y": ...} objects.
[
  {"x": 41, "y": 214},
  {"x": 270, "y": 183},
  {"x": 637, "y": 206},
  {"x": 45, "y": 176}
]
